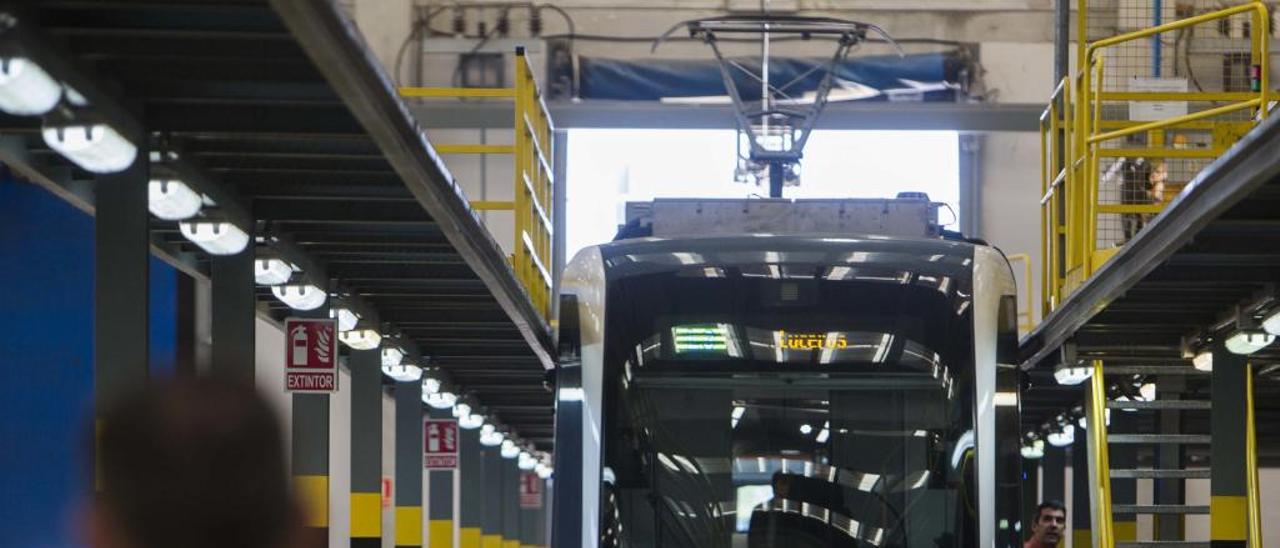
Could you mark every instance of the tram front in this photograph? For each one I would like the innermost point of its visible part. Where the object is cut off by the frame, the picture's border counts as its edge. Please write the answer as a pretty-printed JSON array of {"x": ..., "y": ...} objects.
[{"x": 795, "y": 392}]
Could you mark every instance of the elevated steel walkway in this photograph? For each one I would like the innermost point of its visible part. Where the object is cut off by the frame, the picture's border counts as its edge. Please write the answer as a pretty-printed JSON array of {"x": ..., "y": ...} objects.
[{"x": 280, "y": 113}]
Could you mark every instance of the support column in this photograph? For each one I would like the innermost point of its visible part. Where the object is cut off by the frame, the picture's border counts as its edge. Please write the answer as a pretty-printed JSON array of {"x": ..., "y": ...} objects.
[
  {"x": 310, "y": 456},
  {"x": 366, "y": 448},
  {"x": 440, "y": 503},
  {"x": 1079, "y": 512},
  {"x": 970, "y": 184},
  {"x": 510, "y": 504},
  {"x": 185, "y": 364},
  {"x": 472, "y": 495},
  {"x": 409, "y": 450},
  {"x": 530, "y": 517},
  {"x": 559, "y": 185},
  {"x": 1228, "y": 503},
  {"x": 1061, "y": 39},
  {"x": 1053, "y": 470},
  {"x": 121, "y": 284},
  {"x": 491, "y": 524},
  {"x": 234, "y": 311}
]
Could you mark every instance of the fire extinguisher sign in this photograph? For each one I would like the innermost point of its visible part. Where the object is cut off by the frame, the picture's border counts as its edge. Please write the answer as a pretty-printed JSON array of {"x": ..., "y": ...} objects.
[
  {"x": 440, "y": 439},
  {"x": 311, "y": 355}
]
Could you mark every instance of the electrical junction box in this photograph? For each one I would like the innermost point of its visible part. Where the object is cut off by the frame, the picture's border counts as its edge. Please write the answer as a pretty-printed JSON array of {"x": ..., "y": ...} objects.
[{"x": 910, "y": 215}]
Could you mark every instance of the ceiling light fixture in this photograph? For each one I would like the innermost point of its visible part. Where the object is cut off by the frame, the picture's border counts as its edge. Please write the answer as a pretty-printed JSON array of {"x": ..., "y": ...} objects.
[
  {"x": 402, "y": 372},
  {"x": 359, "y": 339},
  {"x": 440, "y": 400},
  {"x": 172, "y": 200},
  {"x": 25, "y": 88},
  {"x": 392, "y": 355},
  {"x": 1071, "y": 376},
  {"x": 430, "y": 385},
  {"x": 1033, "y": 449},
  {"x": 471, "y": 421},
  {"x": 1064, "y": 437},
  {"x": 526, "y": 461},
  {"x": 271, "y": 271},
  {"x": 97, "y": 148},
  {"x": 347, "y": 319},
  {"x": 1271, "y": 324},
  {"x": 1248, "y": 342},
  {"x": 301, "y": 297},
  {"x": 509, "y": 449},
  {"x": 215, "y": 237},
  {"x": 492, "y": 438},
  {"x": 1203, "y": 361}
]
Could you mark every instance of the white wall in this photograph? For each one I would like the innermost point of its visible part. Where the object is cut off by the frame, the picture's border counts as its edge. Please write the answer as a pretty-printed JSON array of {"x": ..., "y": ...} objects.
[
  {"x": 389, "y": 468},
  {"x": 340, "y": 462},
  {"x": 1009, "y": 165},
  {"x": 269, "y": 375}
]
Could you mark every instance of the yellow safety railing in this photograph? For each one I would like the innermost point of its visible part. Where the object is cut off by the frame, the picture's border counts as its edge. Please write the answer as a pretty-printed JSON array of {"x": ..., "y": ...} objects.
[
  {"x": 1093, "y": 155},
  {"x": 533, "y": 201},
  {"x": 1251, "y": 465}
]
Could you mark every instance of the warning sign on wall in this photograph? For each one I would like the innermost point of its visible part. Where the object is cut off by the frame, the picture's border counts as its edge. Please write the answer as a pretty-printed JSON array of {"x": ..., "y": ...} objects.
[
  {"x": 311, "y": 355},
  {"x": 440, "y": 437},
  {"x": 530, "y": 491}
]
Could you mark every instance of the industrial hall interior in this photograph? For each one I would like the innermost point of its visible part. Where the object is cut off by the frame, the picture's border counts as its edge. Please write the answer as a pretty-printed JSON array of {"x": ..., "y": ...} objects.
[{"x": 639, "y": 273}]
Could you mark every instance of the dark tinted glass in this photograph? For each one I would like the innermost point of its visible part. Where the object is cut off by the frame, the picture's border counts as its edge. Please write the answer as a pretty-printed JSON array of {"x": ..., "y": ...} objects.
[{"x": 789, "y": 405}]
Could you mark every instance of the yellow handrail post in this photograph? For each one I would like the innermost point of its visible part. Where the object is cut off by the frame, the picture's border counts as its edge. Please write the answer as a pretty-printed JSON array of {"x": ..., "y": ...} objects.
[
  {"x": 1099, "y": 461},
  {"x": 1092, "y": 165},
  {"x": 1251, "y": 464}
]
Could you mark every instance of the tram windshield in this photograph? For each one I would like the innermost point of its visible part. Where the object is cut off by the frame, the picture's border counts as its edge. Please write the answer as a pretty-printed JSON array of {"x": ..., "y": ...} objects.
[{"x": 789, "y": 406}]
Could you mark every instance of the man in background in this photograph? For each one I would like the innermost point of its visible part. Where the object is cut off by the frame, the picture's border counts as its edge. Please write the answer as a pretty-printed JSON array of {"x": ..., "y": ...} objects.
[
  {"x": 1048, "y": 525},
  {"x": 198, "y": 464}
]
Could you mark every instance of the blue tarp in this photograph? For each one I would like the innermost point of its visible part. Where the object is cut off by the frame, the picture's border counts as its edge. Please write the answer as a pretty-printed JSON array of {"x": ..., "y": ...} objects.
[
  {"x": 651, "y": 80},
  {"x": 46, "y": 360}
]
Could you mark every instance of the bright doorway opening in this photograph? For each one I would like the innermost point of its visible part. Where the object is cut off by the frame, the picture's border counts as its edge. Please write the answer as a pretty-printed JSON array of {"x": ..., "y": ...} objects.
[{"x": 609, "y": 167}]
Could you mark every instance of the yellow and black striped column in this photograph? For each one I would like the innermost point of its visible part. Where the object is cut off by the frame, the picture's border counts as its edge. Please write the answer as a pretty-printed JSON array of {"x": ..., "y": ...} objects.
[
  {"x": 472, "y": 492},
  {"x": 440, "y": 498},
  {"x": 1228, "y": 503},
  {"x": 1081, "y": 530},
  {"x": 310, "y": 457},
  {"x": 366, "y": 448},
  {"x": 494, "y": 507},
  {"x": 409, "y": 450},
  {"x": 510, "y": 504}
]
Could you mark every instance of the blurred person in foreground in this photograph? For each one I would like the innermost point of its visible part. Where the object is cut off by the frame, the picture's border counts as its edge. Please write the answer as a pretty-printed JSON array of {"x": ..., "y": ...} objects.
[{"x": 192, "y": 463}]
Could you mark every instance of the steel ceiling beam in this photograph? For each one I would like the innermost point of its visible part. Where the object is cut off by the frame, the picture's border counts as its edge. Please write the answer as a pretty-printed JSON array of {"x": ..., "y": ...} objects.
[{"x": 970, "y": 117}]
